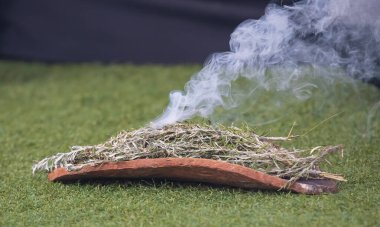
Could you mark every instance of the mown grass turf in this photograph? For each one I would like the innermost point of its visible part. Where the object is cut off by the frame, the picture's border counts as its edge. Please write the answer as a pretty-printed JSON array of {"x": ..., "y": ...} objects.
[{"x": 46, "y": 109}]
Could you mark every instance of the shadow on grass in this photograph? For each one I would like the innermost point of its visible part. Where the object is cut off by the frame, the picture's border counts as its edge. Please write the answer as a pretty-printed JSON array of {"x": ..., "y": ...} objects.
[{"x": 159, "y": 183}]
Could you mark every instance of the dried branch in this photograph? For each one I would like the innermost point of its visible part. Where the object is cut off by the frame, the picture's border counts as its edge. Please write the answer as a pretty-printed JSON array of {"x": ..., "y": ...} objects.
[{"x": 230, "y": 144}]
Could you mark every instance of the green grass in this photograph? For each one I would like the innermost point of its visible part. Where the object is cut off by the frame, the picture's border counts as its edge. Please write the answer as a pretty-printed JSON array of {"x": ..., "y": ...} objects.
[{"x": 45, "y": 109}]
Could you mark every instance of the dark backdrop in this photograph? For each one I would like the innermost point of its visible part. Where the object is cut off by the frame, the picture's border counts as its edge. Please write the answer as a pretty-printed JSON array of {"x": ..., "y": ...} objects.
[{"x": 138, "y": 31}]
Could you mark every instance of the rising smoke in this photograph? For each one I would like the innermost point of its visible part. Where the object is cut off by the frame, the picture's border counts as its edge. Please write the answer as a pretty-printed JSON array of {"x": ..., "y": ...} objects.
[{"x": 332, "y": 39}]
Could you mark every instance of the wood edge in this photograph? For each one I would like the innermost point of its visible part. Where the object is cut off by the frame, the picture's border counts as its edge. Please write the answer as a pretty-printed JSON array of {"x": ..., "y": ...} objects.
[{"x": 269, "y": 181}]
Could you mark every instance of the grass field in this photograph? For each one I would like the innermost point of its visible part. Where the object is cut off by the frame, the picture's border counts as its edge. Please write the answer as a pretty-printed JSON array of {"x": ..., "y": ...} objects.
[{"x": 47, "y": 108}]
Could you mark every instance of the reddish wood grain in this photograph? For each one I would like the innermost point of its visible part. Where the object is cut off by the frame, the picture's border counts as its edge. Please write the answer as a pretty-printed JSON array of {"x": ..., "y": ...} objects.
[{"x": 192, "y": 169}]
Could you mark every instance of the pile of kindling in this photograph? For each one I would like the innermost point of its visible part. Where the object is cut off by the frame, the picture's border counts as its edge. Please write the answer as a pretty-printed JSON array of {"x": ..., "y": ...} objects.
[{"x": 185, "y": 140}]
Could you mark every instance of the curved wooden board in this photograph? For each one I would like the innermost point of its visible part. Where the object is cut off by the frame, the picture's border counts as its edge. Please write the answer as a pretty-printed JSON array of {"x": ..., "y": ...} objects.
[{"x": 195, "y": 170}]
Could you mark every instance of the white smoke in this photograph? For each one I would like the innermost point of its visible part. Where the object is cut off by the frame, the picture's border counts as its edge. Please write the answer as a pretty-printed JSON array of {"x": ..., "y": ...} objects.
[{"x": 336, "y": 39}]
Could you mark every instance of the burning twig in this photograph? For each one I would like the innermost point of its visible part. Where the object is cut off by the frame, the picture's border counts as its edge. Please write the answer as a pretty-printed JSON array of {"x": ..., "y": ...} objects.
[{"x": 229, "y": 144}]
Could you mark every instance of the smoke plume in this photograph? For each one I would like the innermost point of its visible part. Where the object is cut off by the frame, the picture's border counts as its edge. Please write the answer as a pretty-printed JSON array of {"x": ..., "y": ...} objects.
[{"x": 328, "y": 39}]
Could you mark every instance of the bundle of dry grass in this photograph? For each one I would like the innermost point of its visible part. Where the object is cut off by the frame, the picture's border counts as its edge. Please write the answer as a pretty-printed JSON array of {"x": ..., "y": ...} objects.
[{"x": 230, "y": 144}]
